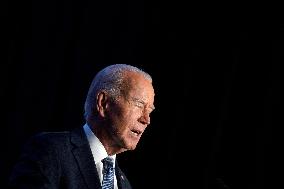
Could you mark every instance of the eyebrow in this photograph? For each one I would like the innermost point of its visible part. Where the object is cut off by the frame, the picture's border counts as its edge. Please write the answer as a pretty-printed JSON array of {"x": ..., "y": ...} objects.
[{"x": 142, "y": 102}]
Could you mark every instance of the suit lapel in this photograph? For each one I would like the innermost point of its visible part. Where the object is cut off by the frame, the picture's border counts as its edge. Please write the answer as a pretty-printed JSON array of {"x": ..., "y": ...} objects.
[
  {"x": 119, "y": 178},
  {"x": 122, "y": 181},
  {"x": 84, "y": 158}
]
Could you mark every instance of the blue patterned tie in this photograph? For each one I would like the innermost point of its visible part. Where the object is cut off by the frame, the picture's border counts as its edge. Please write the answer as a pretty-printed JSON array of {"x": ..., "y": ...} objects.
[{"x": 108, "y": 173}]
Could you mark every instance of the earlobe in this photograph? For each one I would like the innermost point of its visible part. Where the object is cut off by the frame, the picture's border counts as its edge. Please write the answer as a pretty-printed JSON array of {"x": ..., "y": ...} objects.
[{"x": 102, "y": 103}]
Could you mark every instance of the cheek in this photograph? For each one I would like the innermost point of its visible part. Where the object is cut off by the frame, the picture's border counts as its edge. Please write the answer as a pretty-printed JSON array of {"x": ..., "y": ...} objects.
[
  {"x": 124, "y": 119},
  {"x": 133, "y": 116},
  {"x": 128, "y": 121}
]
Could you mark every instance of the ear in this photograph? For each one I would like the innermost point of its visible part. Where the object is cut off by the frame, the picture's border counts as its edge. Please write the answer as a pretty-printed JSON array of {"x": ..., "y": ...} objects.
[{"x": 102, "y": 103}]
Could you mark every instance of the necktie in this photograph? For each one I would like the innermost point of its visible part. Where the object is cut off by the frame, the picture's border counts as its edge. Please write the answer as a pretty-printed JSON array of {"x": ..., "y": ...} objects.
[{"x": 108, "y": 173}]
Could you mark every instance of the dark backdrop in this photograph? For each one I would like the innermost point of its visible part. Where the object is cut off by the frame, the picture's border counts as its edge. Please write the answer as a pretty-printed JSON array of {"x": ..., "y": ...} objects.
[{"x": 214, "y": 70}]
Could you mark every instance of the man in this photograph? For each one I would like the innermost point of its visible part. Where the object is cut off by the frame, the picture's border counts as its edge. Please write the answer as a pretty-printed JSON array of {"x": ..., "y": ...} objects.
[{"x": 117, "y": 111}]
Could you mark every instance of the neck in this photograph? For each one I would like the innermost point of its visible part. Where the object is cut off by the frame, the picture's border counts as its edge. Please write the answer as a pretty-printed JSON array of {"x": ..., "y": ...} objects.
[{"x": 105, "y": 138}]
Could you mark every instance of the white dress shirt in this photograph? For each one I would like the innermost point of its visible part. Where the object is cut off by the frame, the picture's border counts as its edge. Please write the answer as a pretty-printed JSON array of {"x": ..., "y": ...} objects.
[{"x": 99, "y": 153}]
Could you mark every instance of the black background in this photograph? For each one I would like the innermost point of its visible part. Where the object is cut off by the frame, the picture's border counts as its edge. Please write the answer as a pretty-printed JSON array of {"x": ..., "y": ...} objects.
[{"x": 215, "y": 73}]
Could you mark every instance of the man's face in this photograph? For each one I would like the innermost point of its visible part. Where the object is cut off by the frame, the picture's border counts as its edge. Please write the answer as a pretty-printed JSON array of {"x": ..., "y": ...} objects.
[{"x": 130, "y": 114}]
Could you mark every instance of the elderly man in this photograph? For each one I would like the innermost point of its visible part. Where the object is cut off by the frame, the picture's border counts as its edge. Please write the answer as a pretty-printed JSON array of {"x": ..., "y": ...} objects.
[{"x": 117, "y": 111}]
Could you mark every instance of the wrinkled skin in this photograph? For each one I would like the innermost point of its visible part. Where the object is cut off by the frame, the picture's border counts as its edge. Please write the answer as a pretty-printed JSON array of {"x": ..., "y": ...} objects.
[{"x": 125, "y": 119}]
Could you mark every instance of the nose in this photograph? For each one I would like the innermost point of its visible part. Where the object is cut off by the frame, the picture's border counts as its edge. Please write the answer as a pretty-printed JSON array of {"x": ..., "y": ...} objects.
[{"x": 145, "y": 118}]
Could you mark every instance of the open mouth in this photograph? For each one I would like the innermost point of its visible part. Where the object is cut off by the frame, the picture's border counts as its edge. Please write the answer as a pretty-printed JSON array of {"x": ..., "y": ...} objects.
[{"x": 135, "y": 132}]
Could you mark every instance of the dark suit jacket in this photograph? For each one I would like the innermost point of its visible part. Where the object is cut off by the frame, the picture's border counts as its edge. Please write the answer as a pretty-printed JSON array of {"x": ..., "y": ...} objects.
[{"x": 59, "y": 160}]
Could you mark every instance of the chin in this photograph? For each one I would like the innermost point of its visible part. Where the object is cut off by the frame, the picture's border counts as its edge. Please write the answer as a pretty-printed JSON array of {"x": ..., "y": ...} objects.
[
  {"x": 129, "y": 143},
  {"x": 131, "y": 146}
]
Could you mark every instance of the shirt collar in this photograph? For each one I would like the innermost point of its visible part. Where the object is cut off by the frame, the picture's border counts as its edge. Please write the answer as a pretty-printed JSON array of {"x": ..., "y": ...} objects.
[{"x": 97, "y": 148}]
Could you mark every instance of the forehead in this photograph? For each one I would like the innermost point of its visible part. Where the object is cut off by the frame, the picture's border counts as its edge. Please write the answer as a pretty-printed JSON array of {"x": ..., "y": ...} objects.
[{"x": 138, "y": 86}]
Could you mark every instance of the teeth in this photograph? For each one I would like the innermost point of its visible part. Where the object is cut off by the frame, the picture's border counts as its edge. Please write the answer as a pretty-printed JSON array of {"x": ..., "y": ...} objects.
[{"x": 135, "y": 133}]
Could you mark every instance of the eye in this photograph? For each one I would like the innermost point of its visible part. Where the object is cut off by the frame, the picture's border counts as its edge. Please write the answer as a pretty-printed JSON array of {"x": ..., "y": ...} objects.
[{"x": 139, "y": 105}]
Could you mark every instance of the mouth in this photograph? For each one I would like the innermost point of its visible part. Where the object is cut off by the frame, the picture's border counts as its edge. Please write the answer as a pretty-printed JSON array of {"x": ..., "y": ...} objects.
[{"x": 136, "y": 132}]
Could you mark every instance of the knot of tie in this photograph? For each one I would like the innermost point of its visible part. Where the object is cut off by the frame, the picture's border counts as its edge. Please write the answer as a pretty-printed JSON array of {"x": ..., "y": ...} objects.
[
  {"x": 108, "y": 173},
  {"x": 108, "y": 163}
]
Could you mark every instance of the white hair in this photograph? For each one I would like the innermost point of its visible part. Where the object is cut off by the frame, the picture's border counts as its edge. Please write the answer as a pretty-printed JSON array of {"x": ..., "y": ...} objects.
[{"x": 109, "y": 79}]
